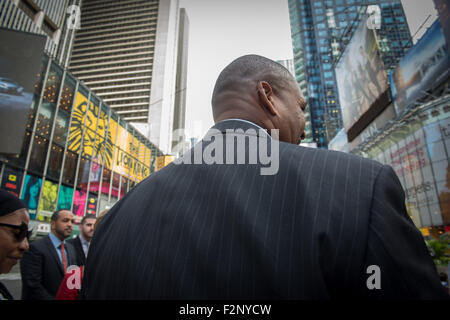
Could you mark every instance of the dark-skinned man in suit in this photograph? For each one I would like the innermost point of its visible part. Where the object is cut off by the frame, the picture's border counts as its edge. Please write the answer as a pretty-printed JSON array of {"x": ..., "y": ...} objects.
[
  {"x": 45, "y": 264},
  {"x": 216, "y": 224}
]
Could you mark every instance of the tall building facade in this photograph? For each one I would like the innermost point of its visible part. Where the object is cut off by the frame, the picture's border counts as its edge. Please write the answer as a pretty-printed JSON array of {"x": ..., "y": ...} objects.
[
  {"x": 289, "y": 64},
  {"x": 320, "y": 30},
  {"x": 179, "y": 114},
  {"x": 126, "y": 51},
  {"x": 44, "y": 17}
]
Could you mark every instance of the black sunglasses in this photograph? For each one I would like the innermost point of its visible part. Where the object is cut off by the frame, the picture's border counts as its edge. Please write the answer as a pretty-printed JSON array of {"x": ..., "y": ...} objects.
[{"x": 23, "y": 230}]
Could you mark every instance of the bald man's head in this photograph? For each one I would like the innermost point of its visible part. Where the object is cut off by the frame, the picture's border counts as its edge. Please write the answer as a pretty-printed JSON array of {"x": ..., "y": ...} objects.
[
  {"x": 244, "y": 72},
  {"x": 260, "y": 90}
]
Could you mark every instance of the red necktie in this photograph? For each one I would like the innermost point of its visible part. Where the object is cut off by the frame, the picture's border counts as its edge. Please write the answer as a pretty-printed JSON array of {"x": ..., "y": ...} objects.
[{"x": 63, "y": 257}]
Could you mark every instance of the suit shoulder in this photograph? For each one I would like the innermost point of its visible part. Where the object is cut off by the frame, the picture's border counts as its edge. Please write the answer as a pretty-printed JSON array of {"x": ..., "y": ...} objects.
[
  {"x": 40, "y": 246},
  {"x": 72, "y": 240},
  {"x": 329, "y": 155}
]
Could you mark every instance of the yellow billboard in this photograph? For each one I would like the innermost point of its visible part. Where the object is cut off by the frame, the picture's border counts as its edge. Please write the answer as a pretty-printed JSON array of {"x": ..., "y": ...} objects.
[
  {"x": 163, "y": 161},
  {"x": 89, "y": 132}
]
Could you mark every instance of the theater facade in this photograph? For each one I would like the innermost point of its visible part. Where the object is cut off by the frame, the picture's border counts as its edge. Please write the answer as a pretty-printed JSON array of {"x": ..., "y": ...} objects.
[{"x": 78, "y": 154}]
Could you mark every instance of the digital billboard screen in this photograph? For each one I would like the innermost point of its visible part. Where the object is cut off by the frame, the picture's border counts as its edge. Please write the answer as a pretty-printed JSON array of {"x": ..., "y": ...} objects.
[
  {"x": 361, "y": 78},
  {"x": 443, "y": 8},
  {"x": 20, "y": 60},
  {"x": 426, "y": 65}
]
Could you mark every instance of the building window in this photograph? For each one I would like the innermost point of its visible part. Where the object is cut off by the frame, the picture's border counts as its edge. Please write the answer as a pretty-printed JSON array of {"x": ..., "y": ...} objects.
[
  {"x": 55, "y": 161},
  {"x": 28, "y": 9},
  {"x": 38, "y": 155}
]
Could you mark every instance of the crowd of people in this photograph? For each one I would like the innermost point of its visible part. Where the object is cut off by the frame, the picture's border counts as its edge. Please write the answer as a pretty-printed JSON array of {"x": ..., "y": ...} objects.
[
  {"x": 326, "y": 225},
  {"x": 48, "y": 265}
]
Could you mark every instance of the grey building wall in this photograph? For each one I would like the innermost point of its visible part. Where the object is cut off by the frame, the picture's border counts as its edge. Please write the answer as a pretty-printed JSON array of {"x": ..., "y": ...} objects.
[{"x": 179, "y": 117}]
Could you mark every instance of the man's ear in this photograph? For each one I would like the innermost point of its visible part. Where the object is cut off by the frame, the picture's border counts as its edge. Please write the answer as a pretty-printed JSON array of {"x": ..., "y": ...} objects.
[{"x": 265, "y": 94}]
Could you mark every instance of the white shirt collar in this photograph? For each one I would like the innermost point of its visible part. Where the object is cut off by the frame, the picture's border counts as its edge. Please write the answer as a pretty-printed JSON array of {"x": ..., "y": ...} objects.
[{"x": 265, "y": 131}]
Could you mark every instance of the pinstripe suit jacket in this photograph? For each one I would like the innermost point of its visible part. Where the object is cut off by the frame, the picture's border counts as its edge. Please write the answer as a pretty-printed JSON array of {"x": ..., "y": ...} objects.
[{"x": 225, "y": 231}]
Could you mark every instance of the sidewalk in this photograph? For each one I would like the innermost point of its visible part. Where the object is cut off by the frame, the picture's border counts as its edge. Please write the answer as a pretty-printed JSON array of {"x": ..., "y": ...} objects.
[{"x": 13, "y": 281}]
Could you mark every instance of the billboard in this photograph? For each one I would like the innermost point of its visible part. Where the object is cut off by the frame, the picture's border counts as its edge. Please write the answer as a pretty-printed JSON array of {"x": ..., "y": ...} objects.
[
  {"x": 20, "y": 60},
  {"x": 425, "y": 66},
  {"x": 88, "y": 131},
  {"x": 65, "y": 197},
  {"x": 361, "y": 80},
  {"x": 30, "y": 194},
  {"x": 12, "y": 178},
  {"x": 443, "y": 8},
  {"x": 47, "y": 203}
]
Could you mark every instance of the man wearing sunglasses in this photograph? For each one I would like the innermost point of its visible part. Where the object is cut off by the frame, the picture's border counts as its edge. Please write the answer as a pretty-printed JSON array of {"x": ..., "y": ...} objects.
[
  {"x": 43, "y": 267},
  {"x": 14, "y": 235}
]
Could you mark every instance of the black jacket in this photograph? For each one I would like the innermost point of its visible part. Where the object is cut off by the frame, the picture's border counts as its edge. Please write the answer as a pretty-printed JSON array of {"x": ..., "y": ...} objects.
[
  {"x": 42, "y": 271},
  {"x": 5, "y": 293},
  {"x": 76, "y": 243},
  {"x": 224, "y": 231}
]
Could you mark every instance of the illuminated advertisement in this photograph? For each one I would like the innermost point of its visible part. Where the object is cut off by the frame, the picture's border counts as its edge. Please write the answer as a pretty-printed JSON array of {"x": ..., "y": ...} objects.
[
  {"x": 47, "y": 205},
  {"x": 11, "y": 180},
  {"x": 30, "y": 195},
  {"x": 65, "y": 197},
  {"x": 79, "y": 202},
  {"x": 418, "y": 155},
  {"x": 91, "y": 204},
  {"x": 360, "y": 74},
  {"x": 98, "y": 146},
  {"x": 425, "y": 66},
  {"x": 163, "y": 161},
  {"x": 443, "y": 8},
  {"x": 20, "y": 60}
]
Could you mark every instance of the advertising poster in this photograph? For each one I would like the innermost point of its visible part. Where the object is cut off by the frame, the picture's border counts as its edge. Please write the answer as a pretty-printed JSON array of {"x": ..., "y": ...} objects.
[
  {"x": 163, "y": 161},
  {"x": 30, "y": 194},
  {"x": 443, "y": 172},
  {"x": 47, "y": 205},
  {"x": 78, "y": 203},
  {"x": 443, "y": 8},
  {"x": 95, "y": 176},
  {"x": 20, "y": 60},
  {"x": 12, "y": 178},
  {"x": 426, "y": 65},
  {"x": 360, "y": 74},
  {"x": 91, "y": 204},
  {"x": 103, "y": 143},
  {"x": 65, "y": 197},
  {"x": 89, "y": 132}
]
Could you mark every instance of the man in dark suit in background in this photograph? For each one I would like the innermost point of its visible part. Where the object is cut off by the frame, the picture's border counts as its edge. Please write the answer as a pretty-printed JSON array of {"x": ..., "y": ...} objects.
[
  {"x": 44, "y": 265},
  {"x": 82, "y": 241},
  {"x": 295, "y": 223}
]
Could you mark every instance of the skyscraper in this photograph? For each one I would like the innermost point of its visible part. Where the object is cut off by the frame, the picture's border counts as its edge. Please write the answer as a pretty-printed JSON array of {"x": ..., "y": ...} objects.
[
  {"x": 179, "y": 114},
  {"x": 320, "y": 30},
  {"x": 126, "y": 51},
  {"x": 289, "y": 64}
]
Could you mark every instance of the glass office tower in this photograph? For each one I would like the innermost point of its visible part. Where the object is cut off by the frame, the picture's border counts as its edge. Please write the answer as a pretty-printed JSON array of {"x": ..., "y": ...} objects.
[{"x": 320, "y": 30}]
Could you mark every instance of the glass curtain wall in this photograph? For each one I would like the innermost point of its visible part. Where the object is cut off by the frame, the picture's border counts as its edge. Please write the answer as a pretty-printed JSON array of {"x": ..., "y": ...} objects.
[{"x": 77, "y": 153}]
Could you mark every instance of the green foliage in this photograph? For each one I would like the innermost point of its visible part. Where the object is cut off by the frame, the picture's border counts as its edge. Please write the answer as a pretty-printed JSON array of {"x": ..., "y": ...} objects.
[{"x": 439, "y": 251}]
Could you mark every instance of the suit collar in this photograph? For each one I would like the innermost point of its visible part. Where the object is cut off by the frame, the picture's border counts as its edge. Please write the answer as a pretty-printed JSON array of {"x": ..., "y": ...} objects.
[
  {"x": 5, "y": 293},
  {"x": 54, "y": 254},
  {"x": 233, "y": 124}
]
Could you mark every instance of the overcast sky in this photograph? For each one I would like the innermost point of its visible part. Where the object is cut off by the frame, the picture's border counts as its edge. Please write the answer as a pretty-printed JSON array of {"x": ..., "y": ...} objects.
[{"x": 223, "y": 30}]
